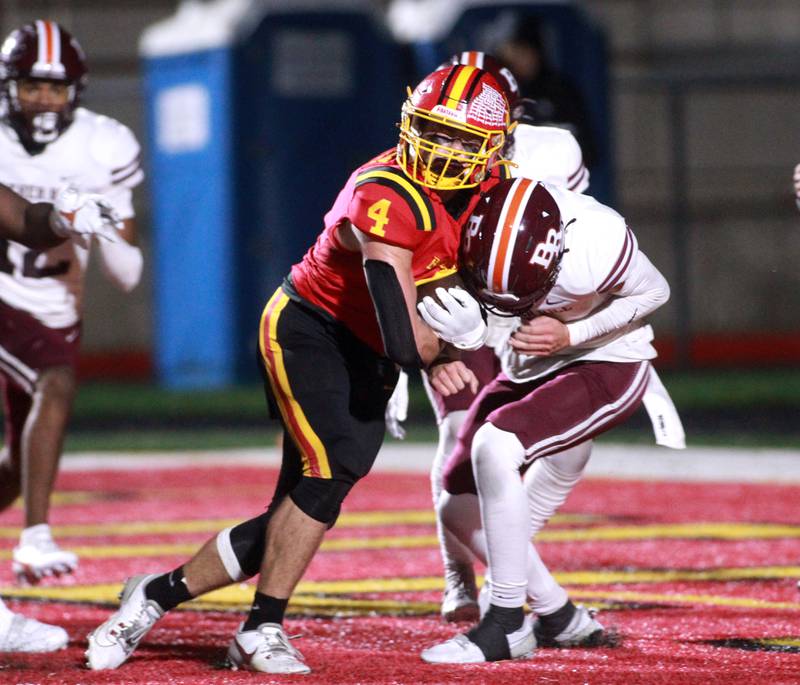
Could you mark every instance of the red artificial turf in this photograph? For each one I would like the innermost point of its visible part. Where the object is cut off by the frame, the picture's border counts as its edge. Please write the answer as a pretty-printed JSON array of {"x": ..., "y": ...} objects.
[{"x": 678, "y": 630}]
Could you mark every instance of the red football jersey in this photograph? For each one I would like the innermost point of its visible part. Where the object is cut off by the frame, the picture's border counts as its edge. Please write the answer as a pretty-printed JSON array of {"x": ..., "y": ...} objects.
[{"x": 379, "y": 199}]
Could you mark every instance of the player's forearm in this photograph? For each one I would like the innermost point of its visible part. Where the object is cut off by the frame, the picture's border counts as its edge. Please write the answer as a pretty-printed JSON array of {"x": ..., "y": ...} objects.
[
  {"x": 122, "y": 263},
  {"x": 644, "y": 291},
  {"x": 429, "y": 345},
  {"x": 26, "y": 223},
  {"x": 391, "y": 310},
  {"x": 408, "y": 341},
  {"x": 37, "y": 230}
]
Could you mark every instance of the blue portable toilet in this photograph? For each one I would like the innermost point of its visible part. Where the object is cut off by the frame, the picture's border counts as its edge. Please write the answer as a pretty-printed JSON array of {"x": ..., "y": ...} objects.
[
  {"x": 575, "y": 46},
  {"x": 257, "y": 114},
  {"x": 188, "y": 81},
  {"x": 318, "y": 94}
]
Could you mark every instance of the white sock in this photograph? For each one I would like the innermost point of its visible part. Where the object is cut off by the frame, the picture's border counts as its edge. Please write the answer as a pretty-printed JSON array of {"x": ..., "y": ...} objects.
[
  {"x": 460, "y": 516},
  {"x": 454, "y": 554},
  {"x": 30, "y": 535},
  {"x": 497, "y": 456},
  {"x": 549, "y": 481},
  {"x": 545, "y": 595}
]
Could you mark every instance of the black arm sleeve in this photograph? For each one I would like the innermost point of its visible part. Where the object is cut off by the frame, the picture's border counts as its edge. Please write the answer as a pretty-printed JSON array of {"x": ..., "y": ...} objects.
[{"x": 390, "y": 306}]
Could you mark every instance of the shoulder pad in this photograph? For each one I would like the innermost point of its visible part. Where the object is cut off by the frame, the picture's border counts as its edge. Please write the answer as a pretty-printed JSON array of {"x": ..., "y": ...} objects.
[
  {"x": 114, "y": 147},
  {"x": 550, "y": 154},
  {"x": 626, "y": 248},
  {"x": 601, "y": 243},
  {"x": 412, "y": 196}
]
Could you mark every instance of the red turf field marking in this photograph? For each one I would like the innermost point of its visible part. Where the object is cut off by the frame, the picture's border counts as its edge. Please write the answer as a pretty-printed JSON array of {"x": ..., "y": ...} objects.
[{"x": 672, "y": 630}]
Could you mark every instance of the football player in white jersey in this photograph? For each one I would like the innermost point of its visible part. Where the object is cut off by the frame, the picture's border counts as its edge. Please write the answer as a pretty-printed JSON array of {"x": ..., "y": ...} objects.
[
  {"x": 47, "y": 140},
  {"x": 542, "y": 152},
  {"x": 577, "y": 365},
  {"x": 41, "y": 226}
]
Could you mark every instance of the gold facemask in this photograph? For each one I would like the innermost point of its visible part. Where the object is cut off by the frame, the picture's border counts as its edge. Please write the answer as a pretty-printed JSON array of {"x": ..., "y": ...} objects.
[{"x": 439, "y": 166}]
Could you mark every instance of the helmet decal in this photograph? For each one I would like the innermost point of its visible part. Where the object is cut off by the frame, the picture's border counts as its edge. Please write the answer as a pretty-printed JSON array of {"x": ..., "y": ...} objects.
[
  {"x": 489, "y": 108},
  {"x": 501, "y": 73}
]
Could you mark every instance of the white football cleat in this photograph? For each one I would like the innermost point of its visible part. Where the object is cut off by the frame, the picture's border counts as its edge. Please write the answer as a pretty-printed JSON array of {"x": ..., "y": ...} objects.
[
  {"x": 38, "y": 556},
  {"x": 266, "y": 650},
  {"x": 583, "y": 630},
  {"x": 462, "y": 650},
  {"x": 111, "y": 643},
  {"x": 19, "y": 633},
  {"x": 459, "y": 602}
]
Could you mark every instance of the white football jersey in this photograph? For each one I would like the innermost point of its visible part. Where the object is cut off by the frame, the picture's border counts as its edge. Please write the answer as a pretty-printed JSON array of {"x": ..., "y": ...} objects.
[
  {"x": 96, "y": 154},
  {"x": 549, "y": 154},
  {"x": 600, "y": 254}
]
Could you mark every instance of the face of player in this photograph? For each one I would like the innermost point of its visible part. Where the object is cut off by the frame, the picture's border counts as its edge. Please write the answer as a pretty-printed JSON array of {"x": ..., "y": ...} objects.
[
  {"x": 38, "y": 95},
  {"x": 41, "y": 103},
  {"x": 451, "y": 141}
]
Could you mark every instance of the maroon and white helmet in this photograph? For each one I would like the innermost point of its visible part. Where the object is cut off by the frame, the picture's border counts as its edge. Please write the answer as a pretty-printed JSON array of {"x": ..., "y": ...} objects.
[
  {"x": 41, "y": 50},
  {"x": 519, "y": 107},
  {"x": 501, "y": 73},
  {"x": 511, "y": 247}
]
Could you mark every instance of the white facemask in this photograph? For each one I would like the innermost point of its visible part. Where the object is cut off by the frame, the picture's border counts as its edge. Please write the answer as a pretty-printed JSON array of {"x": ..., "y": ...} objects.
[{"x": 45, "y": 127}]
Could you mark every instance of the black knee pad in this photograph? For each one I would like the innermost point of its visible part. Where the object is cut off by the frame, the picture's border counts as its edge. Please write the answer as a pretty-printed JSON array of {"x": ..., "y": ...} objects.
[
  {"x": 321, "y": 498},
  {"x": 241, "y": 548}
]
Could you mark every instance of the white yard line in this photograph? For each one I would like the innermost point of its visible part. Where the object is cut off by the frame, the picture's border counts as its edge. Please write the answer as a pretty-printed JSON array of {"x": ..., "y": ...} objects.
[{"x": 608, "y": 461}]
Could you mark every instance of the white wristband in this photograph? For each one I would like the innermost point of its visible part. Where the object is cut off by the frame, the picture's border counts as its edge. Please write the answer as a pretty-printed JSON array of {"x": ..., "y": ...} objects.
[{"x": 473, "y": 339}]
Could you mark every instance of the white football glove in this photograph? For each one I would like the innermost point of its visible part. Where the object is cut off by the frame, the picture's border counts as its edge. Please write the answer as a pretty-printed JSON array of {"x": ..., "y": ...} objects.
[
  {"x": 397, "y": 409},
  {"x": 82, "y": 215},
  {"x": 458, "y": 320}
]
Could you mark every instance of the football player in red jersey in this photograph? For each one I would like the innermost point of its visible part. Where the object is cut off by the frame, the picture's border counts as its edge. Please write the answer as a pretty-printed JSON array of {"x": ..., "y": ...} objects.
[{"x": 331, "y": 339}]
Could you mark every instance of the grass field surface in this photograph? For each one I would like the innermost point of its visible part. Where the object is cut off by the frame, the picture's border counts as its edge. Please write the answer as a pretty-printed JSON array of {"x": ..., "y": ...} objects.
[{"x": 734, "y": 407}]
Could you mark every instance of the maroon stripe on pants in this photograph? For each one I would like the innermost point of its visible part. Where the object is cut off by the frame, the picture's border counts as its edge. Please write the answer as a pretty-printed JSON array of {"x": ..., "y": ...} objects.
[
  {"x": 28, "y": 345},
  {"x": 550, "y": 414}
]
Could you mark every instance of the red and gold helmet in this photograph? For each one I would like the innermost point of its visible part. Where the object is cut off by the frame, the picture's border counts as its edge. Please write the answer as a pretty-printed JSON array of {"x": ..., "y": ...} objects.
[
  {"x": 501, "y": 73},
  {"x": 511, "y": 247},
  {"x": 452, "y": 128},
  {"x": 41, "y": 50}
]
